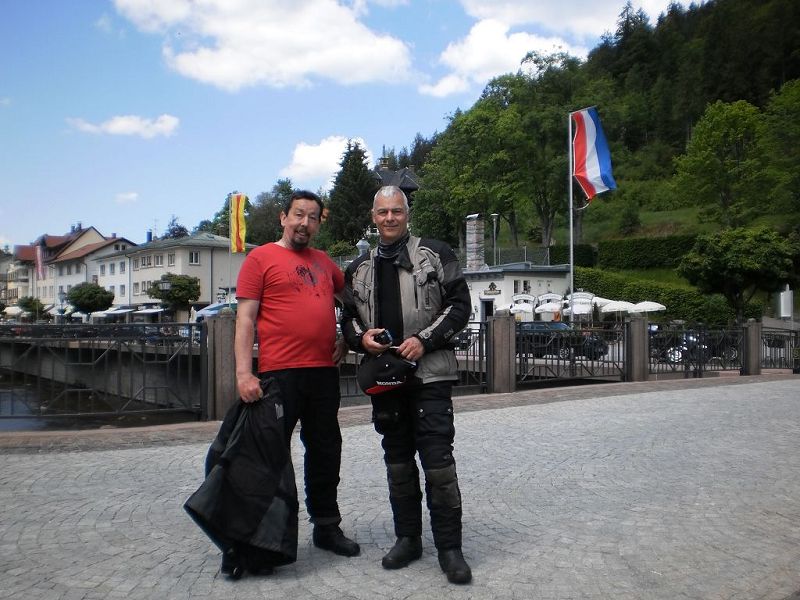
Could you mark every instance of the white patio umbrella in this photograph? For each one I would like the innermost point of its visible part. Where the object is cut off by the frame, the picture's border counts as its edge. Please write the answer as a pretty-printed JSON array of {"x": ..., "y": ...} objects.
[
  {"x": 616, "y": 306},
  {"x": 646, "y": 306},
  {"x": 13, "y": 311},
  {"x": 598, "y": 301},
  {"x": 548, "y": 307},
  {"x": 582, "y": 308},
  {"x": 521, "y": 307}
]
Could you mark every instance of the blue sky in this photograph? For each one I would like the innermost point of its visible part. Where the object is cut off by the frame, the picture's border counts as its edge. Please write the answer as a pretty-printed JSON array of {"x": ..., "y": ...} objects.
[{"x": 121, "y": 114}]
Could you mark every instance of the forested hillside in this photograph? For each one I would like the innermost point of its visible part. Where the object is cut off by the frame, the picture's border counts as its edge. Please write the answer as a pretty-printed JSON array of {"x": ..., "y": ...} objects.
[{"x": 701, "y": 111}]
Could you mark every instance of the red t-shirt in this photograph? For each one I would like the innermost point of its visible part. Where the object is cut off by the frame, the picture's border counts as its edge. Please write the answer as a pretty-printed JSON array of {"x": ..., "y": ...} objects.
[{"x": 296, "y": 320}]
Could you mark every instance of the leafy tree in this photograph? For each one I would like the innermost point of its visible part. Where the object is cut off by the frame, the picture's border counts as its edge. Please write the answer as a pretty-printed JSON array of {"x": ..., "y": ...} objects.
[
  {"x": 183, "y": 291},
  {"x": 351, "y": 196},
  {"x": 721, "y": 168},
  {"x": 221, "y": 223},
  {"x": 342, "y": 249},
  {"x": 629, "y": 220},
  {"x": 778, "y": 137},
  {"x": 90, "y": 297},
  {"x": 737, "y": 263},
  {"x": 175, "y": 230},
  {"x": 263, "y": 222},
  {"x": 31, "y": 305}
]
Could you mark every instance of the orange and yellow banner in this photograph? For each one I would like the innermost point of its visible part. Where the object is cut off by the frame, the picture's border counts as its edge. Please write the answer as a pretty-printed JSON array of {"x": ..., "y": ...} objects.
[{"x": 238, "y": 225}]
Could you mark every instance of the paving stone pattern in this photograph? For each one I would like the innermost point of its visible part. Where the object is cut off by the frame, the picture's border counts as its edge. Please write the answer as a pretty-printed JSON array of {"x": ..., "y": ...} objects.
[{"x": 687, "y": 489}]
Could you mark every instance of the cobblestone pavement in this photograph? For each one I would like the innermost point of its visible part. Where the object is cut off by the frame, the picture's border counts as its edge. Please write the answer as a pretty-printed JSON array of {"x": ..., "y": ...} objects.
[{"x": 674, "y": 489}]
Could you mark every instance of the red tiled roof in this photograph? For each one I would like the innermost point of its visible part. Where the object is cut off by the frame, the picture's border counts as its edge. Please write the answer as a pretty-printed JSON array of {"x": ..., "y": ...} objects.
[
  {"x": 83, "y": 251},
  {"x": 25, "y": 253}
]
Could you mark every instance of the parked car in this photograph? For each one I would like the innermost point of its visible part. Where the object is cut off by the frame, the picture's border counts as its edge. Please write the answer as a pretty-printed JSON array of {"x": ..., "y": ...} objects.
[
  {"x": 690, "y": 345},
  {"x": 541, "y": 338},
  {"x": 212, "y": 310}
]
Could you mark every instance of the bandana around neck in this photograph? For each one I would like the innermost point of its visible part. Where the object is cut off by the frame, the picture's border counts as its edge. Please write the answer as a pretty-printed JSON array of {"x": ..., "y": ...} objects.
[{"x": 393, "y": 249}]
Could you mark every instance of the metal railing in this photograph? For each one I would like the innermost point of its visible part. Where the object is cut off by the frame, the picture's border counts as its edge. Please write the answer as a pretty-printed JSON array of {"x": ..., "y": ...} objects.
[
  {"x": 101, "y": 370},
  {"x": 691, "y": 352},
  {"x": 780, "y": 349},
  {"x": 573, "y": 353}
]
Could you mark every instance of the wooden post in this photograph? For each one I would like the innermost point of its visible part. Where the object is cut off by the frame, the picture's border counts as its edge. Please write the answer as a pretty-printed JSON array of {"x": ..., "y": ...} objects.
[
  {"x": 502, "y": 376},
  {"x": 222, "y": 364}
]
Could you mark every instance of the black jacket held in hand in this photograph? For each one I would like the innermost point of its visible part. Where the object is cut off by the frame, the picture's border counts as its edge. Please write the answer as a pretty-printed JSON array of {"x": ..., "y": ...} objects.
[{"x": 248, "y": 500}]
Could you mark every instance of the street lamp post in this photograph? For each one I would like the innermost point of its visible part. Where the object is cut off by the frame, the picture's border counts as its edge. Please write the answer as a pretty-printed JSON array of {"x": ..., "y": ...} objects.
[
  {"x": 62, "y": 296},
  {"x": 495, "y": 258}
]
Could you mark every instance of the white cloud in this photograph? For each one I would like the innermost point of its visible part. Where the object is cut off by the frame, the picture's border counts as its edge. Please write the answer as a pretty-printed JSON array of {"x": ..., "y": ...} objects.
[
  {"x": 126, "y": 198},
  {"x": 5, "y": 101},
  {"x": 586, "y": 19},
  {"x": 277, "y": 43},
  {"x": 489, "y": 50},
  {"x": 312, "y": 164},
  {"x": 165, "y": 125}
]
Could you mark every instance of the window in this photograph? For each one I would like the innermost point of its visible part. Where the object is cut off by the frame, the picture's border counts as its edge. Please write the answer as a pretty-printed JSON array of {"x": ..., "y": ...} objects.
[
  {"x": 147, "y": 261},
  {"x": 171, "y": 260},
  {"x": 194, "y": 257},
  {"x": 159, "y": 260},
  {"x": 135, "y": 263},
  {"x": 69, "y": 269},
  {"x": 122, "y": 267},
  {"x": 136, "y": 288},
  {"x": 60, "y": 270},
  {"x": 111, "y": 289},
  {"x": 122, "y": 290},
  {"x": 526, "y": 286},
  {"x": 78, "y": 268},
  {"x": 111, "y": 268},
  {"x": 102, "y": 269},
  {"x": 516, "y": 286}
]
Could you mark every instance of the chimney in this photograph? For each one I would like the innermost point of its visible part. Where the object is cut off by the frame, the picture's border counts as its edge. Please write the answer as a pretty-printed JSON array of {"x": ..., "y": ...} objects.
[
  {"x": 149, "y": 237},
  {"x": 475, "y": 257}
]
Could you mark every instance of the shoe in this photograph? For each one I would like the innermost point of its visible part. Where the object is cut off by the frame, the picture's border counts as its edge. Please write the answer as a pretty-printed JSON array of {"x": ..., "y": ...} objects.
[
  {"x": 454, "y": 566},
  {"x": 330, "y": 537},
  {"x": 405, "y": 550},
  {"x": 231, "y": 566}
]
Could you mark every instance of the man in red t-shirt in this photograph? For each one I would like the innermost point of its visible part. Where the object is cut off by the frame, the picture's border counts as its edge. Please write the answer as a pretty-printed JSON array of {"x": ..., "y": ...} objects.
[{"x": 286, "y": 289}]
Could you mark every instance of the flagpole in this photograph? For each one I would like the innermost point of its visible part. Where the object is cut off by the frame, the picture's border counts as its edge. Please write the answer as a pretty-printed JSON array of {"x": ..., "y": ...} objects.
[
  {"x": 230, "y": 249},
  {"x": 569, "y": 187}
]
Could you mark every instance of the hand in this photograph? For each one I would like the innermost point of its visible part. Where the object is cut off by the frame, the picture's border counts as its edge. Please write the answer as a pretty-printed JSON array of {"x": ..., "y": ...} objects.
[
  {"x": 370, "y": 345},
  {"x": 249, "y": 387},
  {"x": 340, "y": 350},
  {"x": 411, "y": 349}
]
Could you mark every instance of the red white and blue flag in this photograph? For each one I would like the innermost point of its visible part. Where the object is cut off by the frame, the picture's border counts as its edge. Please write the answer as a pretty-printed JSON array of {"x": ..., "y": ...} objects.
[{"x": 592, "y": 166}]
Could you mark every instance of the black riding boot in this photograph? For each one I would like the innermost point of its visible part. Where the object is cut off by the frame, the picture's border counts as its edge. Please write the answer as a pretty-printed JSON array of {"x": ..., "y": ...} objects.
[
  {"x": 405, "y": 498},
  {"x": 444, "y": 502}
]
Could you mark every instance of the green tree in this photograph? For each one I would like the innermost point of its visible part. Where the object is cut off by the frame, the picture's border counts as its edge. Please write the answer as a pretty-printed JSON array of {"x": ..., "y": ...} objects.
[
  {"x": 737, "y": 263},
  {"x": 90, "y": 297},
  {"x": 182, "y": 292},
  {"x": 175, "y": 230},
  {"x": 31, "y": 305},
  {"x": 721, "y": 169},
  {"x": 263, "y": 222},
  {"x": 351, "y": 196},
  {"x": 778, "y": 137},
  {"x": 220, "y": 224}
]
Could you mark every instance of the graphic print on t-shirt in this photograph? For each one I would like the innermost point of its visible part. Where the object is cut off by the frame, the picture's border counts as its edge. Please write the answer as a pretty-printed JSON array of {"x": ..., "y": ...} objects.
[{"x": 304, "y": 278}]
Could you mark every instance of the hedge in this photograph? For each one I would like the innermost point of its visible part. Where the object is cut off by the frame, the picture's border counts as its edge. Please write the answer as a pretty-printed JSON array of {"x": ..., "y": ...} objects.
[
  {"x": 585, "y": 255},
  {"x": 643, "y": 253},
  {"x": 682, "y": 303}
]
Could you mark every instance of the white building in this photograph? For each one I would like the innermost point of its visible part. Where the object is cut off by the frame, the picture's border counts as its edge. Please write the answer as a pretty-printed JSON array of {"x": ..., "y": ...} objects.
[{"x": 202, "y": 255}]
